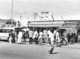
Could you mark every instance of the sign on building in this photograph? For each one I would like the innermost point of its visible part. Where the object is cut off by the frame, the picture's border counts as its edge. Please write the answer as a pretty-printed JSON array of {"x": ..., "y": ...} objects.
[{"x": 42, "y": 16}]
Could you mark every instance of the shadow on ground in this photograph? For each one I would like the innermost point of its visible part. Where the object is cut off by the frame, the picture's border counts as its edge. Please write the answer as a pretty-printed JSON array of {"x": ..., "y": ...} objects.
[{"x": 55, "y": 53}]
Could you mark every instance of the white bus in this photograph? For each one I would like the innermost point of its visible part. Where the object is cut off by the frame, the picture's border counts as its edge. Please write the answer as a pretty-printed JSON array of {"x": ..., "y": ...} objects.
[{"x": 4, "y": 33}]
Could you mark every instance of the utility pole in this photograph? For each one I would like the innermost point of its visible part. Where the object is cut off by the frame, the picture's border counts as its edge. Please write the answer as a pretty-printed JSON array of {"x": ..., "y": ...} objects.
[{"x": 12, "y": 12}]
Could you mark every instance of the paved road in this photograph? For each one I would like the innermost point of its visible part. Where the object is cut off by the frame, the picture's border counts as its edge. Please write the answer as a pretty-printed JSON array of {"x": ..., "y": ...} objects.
[{"x": 26, "y": 51}]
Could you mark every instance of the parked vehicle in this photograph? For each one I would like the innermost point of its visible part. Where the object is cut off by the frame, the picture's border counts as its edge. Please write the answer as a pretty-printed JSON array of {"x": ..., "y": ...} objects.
[
  {"x": 61, "y": 41},
  {"x": 4, "y": 33}
]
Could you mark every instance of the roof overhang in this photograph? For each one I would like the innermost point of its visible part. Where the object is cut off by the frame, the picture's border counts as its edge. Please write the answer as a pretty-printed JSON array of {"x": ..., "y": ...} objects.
[{"x": 45, "y": 24}]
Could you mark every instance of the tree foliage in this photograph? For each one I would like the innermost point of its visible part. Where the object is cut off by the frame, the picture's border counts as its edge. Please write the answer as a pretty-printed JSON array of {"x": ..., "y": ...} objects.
[{"x": 11, "y": 22}]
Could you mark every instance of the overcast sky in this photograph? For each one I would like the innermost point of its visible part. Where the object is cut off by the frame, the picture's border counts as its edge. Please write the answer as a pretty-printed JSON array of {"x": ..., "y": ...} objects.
[{"x": 70, "y": 9}]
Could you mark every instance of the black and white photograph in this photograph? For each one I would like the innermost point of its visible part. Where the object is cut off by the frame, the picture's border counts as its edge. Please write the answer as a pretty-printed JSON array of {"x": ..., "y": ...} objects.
[{"x": 39, "y": 29}]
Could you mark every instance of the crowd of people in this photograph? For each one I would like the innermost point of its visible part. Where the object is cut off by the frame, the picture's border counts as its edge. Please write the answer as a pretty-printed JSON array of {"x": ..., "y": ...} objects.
[
  {"x": 17, "y": 36},
  {"x": 43, "y": 36}
]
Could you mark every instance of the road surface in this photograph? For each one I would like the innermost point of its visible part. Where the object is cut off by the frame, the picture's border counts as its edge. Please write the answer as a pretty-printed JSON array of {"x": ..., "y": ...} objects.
[{"x": 26, "y": 51}]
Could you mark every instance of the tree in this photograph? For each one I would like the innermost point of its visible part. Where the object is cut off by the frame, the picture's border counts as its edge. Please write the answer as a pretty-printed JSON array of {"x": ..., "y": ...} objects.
[{"x": 11, "y": 22}]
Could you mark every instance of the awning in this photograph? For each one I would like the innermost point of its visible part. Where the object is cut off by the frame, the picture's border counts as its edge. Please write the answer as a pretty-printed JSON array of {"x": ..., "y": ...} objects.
[
  {"x": 44, "y": 25},
  {"x": 45, "y": 22}
]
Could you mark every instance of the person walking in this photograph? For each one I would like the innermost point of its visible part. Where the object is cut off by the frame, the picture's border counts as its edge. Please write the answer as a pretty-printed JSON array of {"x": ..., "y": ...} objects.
[
  {"x": 30, "y": 36},
  {"x": 51, "y": 37}
]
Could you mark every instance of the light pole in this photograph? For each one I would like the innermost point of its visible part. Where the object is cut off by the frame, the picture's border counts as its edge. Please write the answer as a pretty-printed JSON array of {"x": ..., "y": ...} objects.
[{"x": 12, "y": 12}]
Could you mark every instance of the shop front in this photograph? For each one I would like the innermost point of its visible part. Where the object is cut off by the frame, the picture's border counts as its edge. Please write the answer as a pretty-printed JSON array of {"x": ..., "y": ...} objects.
[{"x": 45, "y": 24}]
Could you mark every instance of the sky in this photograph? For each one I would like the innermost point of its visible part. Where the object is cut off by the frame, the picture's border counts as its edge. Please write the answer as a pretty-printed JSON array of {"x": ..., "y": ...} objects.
[{"x": 69, "y": 9}]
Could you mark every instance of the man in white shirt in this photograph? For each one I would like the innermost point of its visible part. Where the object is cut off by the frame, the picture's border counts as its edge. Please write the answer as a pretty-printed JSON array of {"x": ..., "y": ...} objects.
[
  {"x": 36, "y": 37},
  {"x": 20, "y": 37},
  {"x": 40, "y": 39},
  {"x": 51, "y": 37},
  {"x": 30, "y": 36}
]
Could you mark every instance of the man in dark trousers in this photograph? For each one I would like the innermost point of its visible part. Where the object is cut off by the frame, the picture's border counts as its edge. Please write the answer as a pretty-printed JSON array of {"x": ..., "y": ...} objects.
[
  {"x": 12, "y": 35},
  {"x": 30, "y": 36},
  {"x": 51, "y": 37}
]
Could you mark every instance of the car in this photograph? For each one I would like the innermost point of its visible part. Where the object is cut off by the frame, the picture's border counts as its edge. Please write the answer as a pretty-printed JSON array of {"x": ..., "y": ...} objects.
[{"x": 4, "y": 33}]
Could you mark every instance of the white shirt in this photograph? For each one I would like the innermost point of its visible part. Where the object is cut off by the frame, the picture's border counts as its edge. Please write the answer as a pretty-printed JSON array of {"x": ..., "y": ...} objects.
[
  {"x": 30, "y": 33},
  {"x": 35, "y": 34},
  {"x": 20, "y": 34},
  {"x": 55, "y": 32},
  {"x": 51, "y": 35},
  {"x": 40, "y": 34},
  {"x": 57, "y": 35}
]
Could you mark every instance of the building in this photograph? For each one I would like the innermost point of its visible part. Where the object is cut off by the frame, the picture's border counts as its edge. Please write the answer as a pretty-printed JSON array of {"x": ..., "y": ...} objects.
[
  {"x": 71, "y": 26},
  {"x": 45, "y": 24},
  {"x": 43, "y": 16}
]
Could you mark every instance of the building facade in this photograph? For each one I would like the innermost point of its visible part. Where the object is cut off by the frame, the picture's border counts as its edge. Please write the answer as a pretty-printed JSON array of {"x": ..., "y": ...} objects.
[
  {"x": 71, "y": 26},
  {"x": 43, "y": 16}
]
